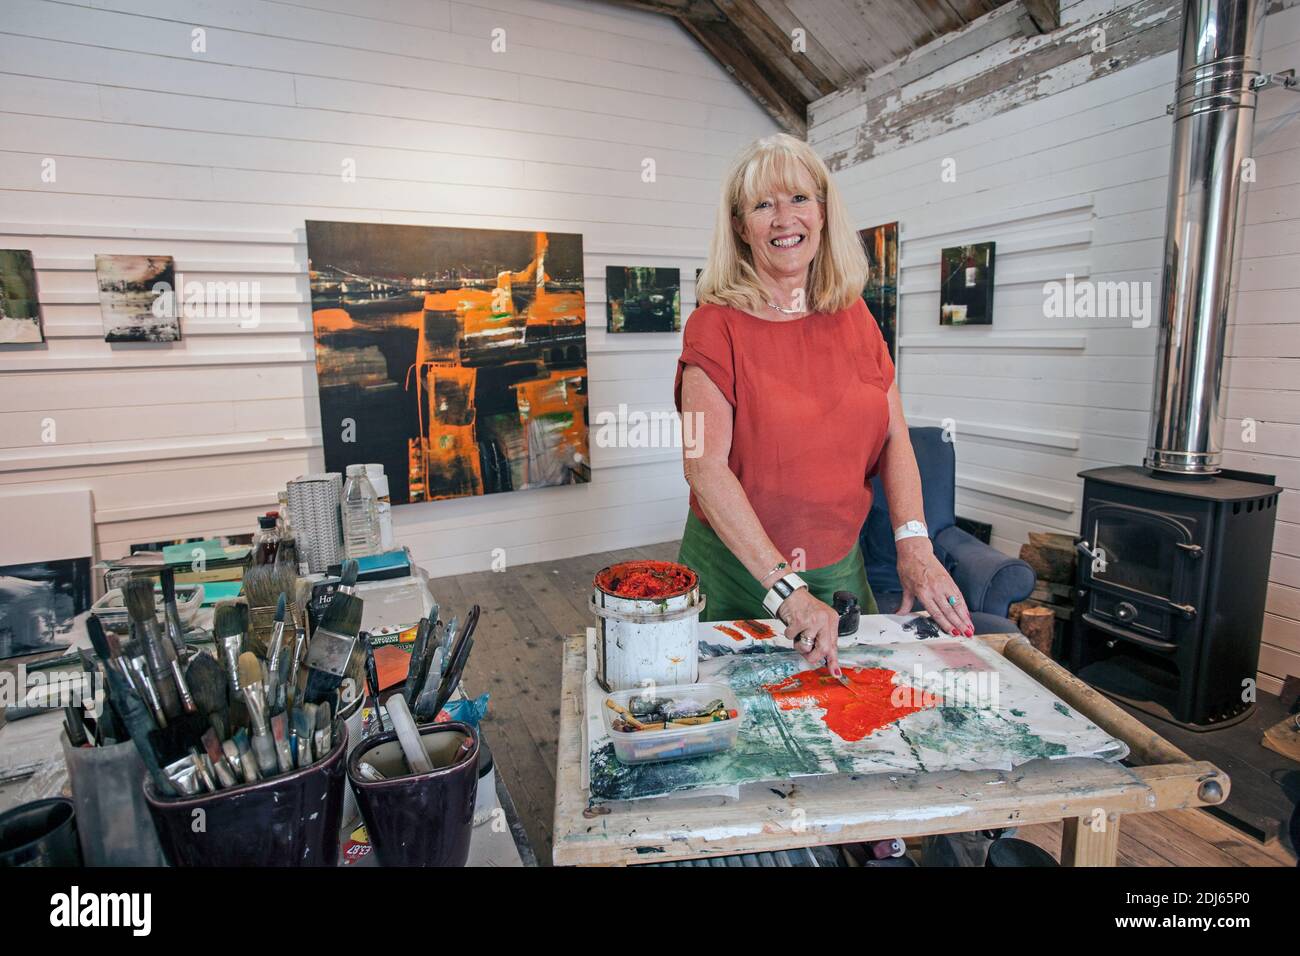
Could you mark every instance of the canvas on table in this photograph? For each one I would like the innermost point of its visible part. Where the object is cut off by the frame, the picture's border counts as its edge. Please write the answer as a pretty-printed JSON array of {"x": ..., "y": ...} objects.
[
  {"x": 966, "y": 284},
  {"x": 137, "y": 298},
  {"x": 20, "y": 307},
  {"x": 881, "y": 292},
  {"x": 457, "y": 358},
  {"x": 919, "y": 702},
  {"x": 643, "y": 299}
]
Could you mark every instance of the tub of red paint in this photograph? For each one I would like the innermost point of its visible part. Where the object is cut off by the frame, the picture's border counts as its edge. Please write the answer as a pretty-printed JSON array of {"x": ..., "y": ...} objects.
[
  {"x": 674, "y": 743},
  {"x": 647, "y": 612}
]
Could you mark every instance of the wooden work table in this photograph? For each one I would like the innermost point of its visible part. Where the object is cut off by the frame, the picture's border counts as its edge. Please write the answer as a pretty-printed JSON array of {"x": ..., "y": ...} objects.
[{"x": 1089, "y": 795}]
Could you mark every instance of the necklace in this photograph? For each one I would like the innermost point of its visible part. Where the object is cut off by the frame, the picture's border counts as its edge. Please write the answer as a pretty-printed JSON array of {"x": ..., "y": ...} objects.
[{"x": 786, "y": 311}]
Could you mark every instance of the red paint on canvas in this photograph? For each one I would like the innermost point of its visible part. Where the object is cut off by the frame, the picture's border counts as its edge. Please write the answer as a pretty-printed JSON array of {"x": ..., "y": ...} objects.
[
  {"x": 757, "y": 630},
  {"x": 851, "y": 714},
  {"x": 731, "y": 632}
]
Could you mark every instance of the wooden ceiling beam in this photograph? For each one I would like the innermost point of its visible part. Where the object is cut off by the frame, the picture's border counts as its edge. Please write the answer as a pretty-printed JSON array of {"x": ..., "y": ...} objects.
[
  {"x": 777, "y": 47},
  {"x": 732, "y": 48},
  {"x": 1043, "y": 16},
  {"x": 787, "y": 22},
  {"x": 700, "y": 10}
]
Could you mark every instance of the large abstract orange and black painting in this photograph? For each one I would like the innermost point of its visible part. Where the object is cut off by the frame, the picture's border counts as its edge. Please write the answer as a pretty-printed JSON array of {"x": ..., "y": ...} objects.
[{"x": 457, "y": 358}]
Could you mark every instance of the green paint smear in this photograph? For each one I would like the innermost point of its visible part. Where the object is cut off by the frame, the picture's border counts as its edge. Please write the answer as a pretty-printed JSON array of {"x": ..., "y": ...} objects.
[
  {"x": 971, "y": 730},
  {"x": 559, "y": 418},
  {"x": 1017, "y": 713},
  {"x": 1062, "y": 709}
]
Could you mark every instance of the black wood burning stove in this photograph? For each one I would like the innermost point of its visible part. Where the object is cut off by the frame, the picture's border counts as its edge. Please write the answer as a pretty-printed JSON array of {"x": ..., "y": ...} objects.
[{"x": 1171, "y": 588}]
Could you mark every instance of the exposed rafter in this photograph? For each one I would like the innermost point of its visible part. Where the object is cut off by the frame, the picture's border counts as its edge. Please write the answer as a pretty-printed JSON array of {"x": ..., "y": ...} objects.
[{"x": 788, "y": 53}]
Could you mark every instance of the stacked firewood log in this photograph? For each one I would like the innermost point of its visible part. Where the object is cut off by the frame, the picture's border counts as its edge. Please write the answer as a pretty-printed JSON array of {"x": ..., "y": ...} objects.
[{"x": 1046, "y": 613}]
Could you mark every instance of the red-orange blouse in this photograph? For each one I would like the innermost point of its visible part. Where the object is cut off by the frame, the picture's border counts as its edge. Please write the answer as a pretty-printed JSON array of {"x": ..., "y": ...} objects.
[{"x": 811, "y": 415}]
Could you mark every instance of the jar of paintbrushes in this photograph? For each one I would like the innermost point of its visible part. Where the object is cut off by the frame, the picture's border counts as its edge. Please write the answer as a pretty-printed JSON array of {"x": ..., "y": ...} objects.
[{"x": 248, "y": 736}]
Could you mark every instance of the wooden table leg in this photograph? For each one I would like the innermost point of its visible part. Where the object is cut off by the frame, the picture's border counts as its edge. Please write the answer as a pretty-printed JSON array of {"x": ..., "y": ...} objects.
[{"x": 1090, "y": 841}]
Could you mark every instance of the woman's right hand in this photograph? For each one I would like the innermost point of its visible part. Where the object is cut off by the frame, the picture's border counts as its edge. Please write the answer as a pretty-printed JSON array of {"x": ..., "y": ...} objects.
[{"x": 818, "y": 625}]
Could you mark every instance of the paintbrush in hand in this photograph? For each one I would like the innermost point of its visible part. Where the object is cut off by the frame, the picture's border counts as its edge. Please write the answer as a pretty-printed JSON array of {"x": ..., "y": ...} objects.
[{"x": 335, "y": 639}]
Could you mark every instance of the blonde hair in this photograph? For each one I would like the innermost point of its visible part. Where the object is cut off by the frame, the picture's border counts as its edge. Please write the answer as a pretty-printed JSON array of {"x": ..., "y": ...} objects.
[{"x": 838, "y": 270}]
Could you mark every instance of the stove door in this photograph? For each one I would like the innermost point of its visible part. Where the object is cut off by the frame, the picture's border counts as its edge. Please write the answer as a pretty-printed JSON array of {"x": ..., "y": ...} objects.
[{"x": 1150, "y": 576}]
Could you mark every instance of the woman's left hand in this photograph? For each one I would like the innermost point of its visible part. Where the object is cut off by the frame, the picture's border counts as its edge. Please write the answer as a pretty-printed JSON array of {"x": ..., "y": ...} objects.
[{"x": 924, "y": 579}]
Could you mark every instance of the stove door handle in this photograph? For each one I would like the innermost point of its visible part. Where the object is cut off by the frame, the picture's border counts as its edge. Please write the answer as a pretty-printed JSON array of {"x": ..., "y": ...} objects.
[
  {"x": 1186, "y": 610},
  {"x": 1164, "y": 646}
]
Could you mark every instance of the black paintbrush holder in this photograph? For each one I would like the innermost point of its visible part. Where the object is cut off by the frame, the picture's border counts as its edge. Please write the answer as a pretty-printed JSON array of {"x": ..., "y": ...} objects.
[
  {"x": 421, "y": 819},
  {"x": 289, "y": 820}
]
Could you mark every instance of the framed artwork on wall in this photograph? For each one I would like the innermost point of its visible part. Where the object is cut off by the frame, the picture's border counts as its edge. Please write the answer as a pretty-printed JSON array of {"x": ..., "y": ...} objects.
[
  {"x": 881, "y": 292},
  {"x": 457, "y": 358},
  {"x": 966, "y": 284},
  {"x": 20, "y": 307},
  {"x": 137, "y": 298},
  {"x": 643, "y": 299}
]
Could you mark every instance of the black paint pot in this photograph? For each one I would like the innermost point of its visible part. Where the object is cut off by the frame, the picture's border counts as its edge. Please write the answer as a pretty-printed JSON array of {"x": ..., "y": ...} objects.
[
  {"x": 1008, "y": 851},
  {"x": 289, "y": 820},
  {"x": 40, "y": 833},
  {"x": 421, "y": 819}
]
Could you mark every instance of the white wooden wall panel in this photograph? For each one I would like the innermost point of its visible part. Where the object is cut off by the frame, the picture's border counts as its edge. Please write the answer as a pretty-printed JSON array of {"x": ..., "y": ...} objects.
[
  {"x": 1076, "y": 182},
  {"x": 217, "y": 158}
]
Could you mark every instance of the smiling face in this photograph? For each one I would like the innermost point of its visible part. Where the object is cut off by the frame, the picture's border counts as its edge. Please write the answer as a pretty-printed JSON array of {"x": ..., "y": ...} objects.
[{"x": 782, "y": 223}]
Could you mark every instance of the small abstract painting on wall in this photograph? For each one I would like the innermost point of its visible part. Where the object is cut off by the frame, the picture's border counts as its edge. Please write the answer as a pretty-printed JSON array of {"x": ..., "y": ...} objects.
[
  {"x": 966, "y": 285},
  {"x": 137, "y": 298},
  {"x": 20, "y": 308},
  {"x": 38, "y": 603},
  {"x": 457, "y": 358},
  {"x": 881, "y": 292},
  {"x": 643, "y": 299}
]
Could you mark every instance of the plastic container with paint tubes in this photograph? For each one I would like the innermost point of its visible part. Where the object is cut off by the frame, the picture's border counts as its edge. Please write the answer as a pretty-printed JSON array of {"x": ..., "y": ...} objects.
[{"x": 675, "y": 743}]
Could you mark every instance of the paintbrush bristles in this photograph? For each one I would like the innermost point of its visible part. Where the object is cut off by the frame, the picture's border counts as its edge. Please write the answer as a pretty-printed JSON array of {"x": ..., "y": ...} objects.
[
  {"x": 137, "y": 594},
  {"x": 264, "y": 583},
  {"x": 351, "y": 569},
  {"x": 250, "y": 669},
  {"x": 229, "y": 618},
  {"x": 280, "y": 607},
  {"x": 343, "y": 615}
]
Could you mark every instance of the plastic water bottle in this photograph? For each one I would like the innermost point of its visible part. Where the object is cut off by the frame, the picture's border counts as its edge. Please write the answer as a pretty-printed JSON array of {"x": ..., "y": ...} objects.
[
  {"x": 379, "y": 481},
  {"x": 360, "y": 514}
]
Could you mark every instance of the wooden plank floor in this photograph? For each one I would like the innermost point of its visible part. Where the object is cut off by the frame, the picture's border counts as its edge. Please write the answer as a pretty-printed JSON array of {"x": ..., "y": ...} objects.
[{"x": 526, "y": 611}]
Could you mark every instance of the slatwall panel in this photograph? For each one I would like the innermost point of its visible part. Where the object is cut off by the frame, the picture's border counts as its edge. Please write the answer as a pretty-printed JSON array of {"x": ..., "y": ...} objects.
[
  {"x": 216, "y": 158},
  {"x": 1075, "y": 183}
]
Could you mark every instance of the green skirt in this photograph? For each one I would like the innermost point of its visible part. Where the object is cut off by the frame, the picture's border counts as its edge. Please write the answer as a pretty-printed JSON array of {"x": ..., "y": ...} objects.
[{"x": 731, "y": 593}]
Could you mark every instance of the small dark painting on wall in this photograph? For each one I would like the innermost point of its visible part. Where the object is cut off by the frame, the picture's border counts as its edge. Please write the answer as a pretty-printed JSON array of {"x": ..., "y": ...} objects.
[
  {"x": 881, "y": 292},
  {"x": 38, "y": 603},
  {"x": 20, "y": 309},
  {"x": 966, "y": 285},
  {"x": 642, "y": 299},
  {"x": 137, "y": 298}
]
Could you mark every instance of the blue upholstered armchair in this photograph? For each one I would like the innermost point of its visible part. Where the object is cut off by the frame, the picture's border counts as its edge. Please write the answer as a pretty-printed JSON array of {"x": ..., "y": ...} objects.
[{"x": 990, "y": 582}]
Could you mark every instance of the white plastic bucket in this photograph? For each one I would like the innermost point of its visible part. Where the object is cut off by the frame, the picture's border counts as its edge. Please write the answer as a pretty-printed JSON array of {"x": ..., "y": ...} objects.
[{"x": 646, "y": 640}]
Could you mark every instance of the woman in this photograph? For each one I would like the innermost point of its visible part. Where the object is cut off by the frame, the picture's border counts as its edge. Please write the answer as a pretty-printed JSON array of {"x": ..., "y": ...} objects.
[{"x": 796, "y": 409}]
